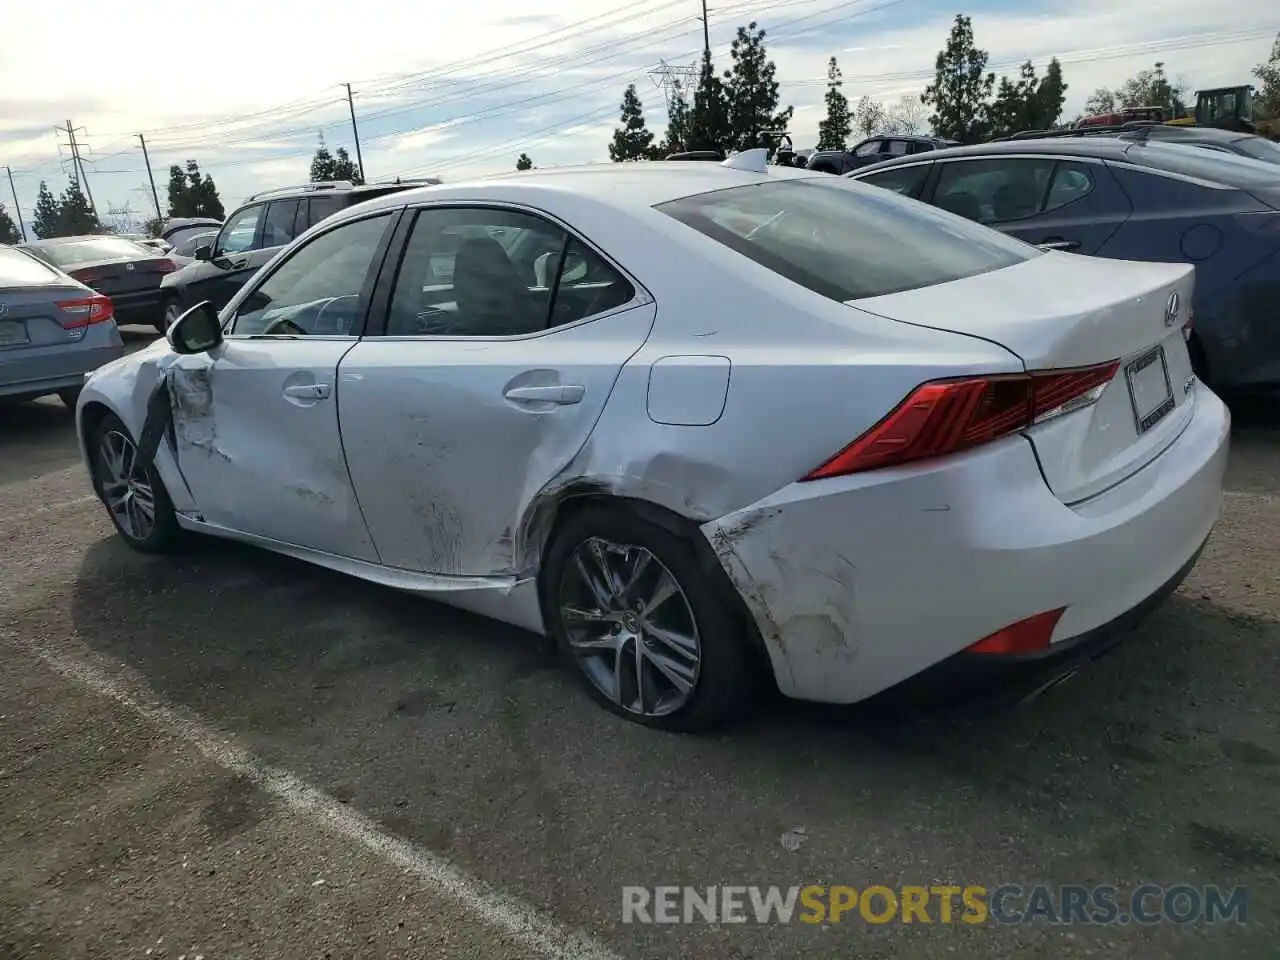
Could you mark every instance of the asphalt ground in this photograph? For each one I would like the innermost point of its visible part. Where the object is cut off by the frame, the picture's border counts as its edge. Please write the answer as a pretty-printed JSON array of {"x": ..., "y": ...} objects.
[{"x": 226, "y": 754}]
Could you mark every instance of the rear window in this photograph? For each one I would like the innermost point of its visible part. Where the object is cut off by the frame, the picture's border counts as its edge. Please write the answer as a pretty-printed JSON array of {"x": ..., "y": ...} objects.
[
  {"x": 1227, "y": 168},
  {"x": 94, "y": 248},
  {"x": 17, "y": 269},
  {"x": 847, "y": 240},
  {"x": 1258, "y": 149}
]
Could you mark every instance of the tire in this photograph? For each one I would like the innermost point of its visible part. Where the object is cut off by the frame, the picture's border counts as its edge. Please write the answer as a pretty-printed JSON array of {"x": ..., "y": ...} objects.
[
  {"x": 163, "y": 533},
  {"x": 724, "y": 675},
  {"x": 169, "y": 314},
  {"x": 70, "y": 396}
]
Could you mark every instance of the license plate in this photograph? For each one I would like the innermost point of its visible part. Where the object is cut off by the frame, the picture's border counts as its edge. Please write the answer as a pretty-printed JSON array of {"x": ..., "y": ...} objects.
[
  {"x": 13, "y": 333},
  {"x": 1149, "y": 388}
]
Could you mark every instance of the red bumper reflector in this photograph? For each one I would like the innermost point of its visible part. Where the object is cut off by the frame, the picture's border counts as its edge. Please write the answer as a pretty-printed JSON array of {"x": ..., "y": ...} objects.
[{"x": 1026, "y": 636}]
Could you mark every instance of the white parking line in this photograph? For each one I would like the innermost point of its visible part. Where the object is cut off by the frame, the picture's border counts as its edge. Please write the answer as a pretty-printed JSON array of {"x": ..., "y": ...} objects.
[{"x": 522, "y": 923}]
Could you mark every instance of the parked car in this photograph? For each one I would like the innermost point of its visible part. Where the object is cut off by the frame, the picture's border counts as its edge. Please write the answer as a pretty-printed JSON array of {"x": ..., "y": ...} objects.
[
  {"x": 127, "y": 272},
  {"x": 192, "y": 240},
  {"x": 53, "y": 330},
  {"x": 256, "y": 232},
  {"x": 686, "y": 476},
  {"x": 1208, "y": 138},
  {"x": 177, "y": 229},
  {"x": 1133, "y": 200},
  {"x": 873, "y": 150}
]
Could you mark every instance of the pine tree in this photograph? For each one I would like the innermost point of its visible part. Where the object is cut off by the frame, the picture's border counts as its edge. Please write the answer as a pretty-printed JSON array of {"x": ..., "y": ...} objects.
[
  {"x": 1051, "y": 94},
  {"x": 322, "y": 164},
  {"x": 523, "y": 162},
  {"x": 8, "y": 229},
  {"x": 709, "y": 118},
  {"x": 46, "y": 222},
  {"x": 179, "y": 201},
  {"x": 75, "y": 215},
  {"x": 751, "y": 87},
  {"x": 961, "y": 87},
  {"x": 676, "y": 138},
  {"x": 633, "y": 140},
  {"x": 833, "y": 132},
  {"x": 344, "y": 168}
]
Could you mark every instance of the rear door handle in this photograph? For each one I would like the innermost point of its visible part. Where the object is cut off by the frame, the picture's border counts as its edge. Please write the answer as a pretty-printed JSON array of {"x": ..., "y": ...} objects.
[
  {"x": 1056, "y": 243},
  {"x": 564, "y": 393},
  {"x": 307, "y": 391}
]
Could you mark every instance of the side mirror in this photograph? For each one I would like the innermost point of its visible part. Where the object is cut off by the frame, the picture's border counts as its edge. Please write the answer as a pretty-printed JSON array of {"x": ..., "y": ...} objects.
[
  {"x": 204, "y": 252},
  {"x": 196, "y": 331}
]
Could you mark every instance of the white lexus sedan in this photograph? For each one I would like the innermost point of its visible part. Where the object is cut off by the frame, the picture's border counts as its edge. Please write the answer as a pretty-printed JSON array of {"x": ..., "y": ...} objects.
[{"x": 697, "y": 422}]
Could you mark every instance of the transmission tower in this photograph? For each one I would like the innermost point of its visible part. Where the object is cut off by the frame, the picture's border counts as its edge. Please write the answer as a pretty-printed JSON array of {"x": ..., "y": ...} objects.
[{"x": 671, "y": 79}]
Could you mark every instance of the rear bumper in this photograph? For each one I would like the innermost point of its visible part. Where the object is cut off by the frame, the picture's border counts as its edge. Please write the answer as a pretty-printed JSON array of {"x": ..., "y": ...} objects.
[
  {"x": 143, "y": 306},
  {"x": 859, "y": 582},
  {"x": 37, "y": 371}
]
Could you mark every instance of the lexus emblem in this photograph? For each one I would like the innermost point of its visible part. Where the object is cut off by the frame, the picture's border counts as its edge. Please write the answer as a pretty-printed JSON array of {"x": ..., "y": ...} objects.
[{"x": 1171, "y": 310}]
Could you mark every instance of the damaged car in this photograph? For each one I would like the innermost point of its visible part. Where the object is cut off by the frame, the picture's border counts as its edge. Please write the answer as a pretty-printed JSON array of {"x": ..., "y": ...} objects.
[{"x": 699, "y": 423}]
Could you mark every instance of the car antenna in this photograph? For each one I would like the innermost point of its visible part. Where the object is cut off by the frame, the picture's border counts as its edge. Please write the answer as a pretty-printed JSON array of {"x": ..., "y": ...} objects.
[{"x": 754, "y": 161}]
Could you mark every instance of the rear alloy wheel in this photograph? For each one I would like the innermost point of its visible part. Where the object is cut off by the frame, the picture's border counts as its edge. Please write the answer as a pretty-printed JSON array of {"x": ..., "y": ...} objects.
[
  {"x": 132, "y": 491},
  {"x": 642, "y": 624}
]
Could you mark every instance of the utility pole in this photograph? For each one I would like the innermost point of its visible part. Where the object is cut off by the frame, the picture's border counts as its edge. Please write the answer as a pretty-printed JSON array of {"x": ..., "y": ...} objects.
[
  {"x": 16, "y": 208},
  {"x": 706, "y": 31},
  {"x": 355, "y": 132},
  {"x": 154, "y": 195},
  {"x": 78, "y": 164}
]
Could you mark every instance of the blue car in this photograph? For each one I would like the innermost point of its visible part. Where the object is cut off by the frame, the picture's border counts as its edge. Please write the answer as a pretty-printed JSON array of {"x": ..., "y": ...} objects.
[{"x": 1133, "y": 200}]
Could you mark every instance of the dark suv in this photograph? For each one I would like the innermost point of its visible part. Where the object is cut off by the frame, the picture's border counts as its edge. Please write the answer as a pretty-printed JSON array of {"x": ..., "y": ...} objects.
[
  {"x": 873, "y": 150},
  {"x": 255, "y": 232}
]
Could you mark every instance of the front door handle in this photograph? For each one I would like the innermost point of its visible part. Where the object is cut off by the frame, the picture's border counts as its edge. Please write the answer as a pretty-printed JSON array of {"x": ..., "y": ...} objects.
[
  {"x": 1057, "y": 243},
  {"x": 307, "y": 391},
  {"x": 561, "y": 393}
]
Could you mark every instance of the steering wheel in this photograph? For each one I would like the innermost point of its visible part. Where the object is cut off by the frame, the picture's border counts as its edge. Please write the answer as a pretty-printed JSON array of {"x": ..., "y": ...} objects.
[
  {"x": 341, "y": 325},
  {"x": 284, "y": 326}
]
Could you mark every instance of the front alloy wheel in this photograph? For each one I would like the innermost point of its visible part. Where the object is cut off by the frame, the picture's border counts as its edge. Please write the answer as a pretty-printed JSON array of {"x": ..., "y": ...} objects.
[
  {"x": 631, "y": 627},
  {"x": 126, "y": 486}
]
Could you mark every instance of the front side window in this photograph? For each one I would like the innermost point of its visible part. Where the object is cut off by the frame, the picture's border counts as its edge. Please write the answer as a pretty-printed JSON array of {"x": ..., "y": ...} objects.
[
  {"x": 868, "y": 149},
  {"x": 238, "y": 233},
  {"x": 904, "y": 180},
  {"x": 320, "y": 289},
  {"x": 488, "y": 272},
  {"x": 846, "y": 240}
]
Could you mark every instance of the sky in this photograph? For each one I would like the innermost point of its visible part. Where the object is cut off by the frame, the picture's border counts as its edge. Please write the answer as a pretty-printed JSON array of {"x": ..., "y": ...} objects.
[{"x": 462, "y": 89}]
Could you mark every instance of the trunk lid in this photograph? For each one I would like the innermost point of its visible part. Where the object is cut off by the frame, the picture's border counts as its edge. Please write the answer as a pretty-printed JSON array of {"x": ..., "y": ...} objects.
[
  {"x": 31, "y": 316},
  {"x": 1060, "y": 311},
  {"x": 112, "y": 277}
]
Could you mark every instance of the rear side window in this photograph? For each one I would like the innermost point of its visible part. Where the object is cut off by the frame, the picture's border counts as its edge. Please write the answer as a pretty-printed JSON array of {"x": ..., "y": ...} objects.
[
  {"x": 846, "y": 240},
  {"x": 277, "y": 229},
  {"x": 322, "y": 207},
  {"x": 18, "y": 269}
]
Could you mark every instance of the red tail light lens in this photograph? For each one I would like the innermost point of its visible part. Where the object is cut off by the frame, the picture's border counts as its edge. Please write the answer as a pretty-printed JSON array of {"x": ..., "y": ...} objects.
[
  {"x": 164, "y": 266},
  {"x": 86, "y": 276},
  {"x": 85, "y": 312},
  {"x": 947, "y": 416},
  {"x": 1031, "y": 635}
]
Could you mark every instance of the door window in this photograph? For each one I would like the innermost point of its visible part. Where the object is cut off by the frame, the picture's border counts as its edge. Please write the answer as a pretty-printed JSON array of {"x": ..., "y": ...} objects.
[
  {"x": 868, "y": 149},
  {"x": 238, "y": 233},
  {"x": 318, "y": 291},
  {"x": 325, "y": 206},
  {"x": 904, "y": 180},
  {"x": 897, "y": 148},
  {"x": 994, "y": 191},
  {"x": 1071, "y": 181},
  {"x": 277, "y": 228},
  {"x": 491, "y": 273}
]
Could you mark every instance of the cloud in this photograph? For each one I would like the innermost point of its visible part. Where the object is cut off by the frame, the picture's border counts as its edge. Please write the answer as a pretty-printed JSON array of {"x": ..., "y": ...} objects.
[{"x": 488, "y": 81}]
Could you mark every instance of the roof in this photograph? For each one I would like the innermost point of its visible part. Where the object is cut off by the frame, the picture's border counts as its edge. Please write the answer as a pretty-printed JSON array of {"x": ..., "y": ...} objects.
[{"x": 625, "y": 185}]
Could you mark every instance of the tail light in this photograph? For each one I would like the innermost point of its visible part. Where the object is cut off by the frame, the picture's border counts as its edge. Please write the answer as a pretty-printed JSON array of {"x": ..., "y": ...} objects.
[
  {"x": 86, "y": 276},
  {"x": 1031, "y": 635},
  {"x": 164, "y": 266},
  {"x": 96, "y": 309},
  {"x": 947, "y": 416}
]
